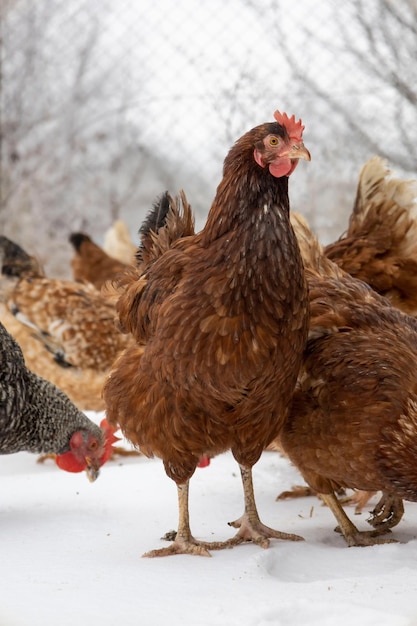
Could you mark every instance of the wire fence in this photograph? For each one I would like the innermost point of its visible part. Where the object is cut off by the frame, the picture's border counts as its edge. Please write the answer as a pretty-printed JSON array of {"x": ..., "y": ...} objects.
[{"x": 104, "y": 105}]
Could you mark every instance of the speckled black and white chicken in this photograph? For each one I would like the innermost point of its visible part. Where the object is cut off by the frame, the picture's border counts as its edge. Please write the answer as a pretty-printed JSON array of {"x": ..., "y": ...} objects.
[{"x": 36, "y": 416}]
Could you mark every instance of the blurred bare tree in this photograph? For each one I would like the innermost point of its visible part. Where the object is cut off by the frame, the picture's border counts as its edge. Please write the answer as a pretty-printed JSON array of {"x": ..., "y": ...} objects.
[
  {"x": 366, "y": 79},
  {"x": 70, "y": 155},
  {"x": 102, "y": 106},
  {"x": 352, "y": 66}
]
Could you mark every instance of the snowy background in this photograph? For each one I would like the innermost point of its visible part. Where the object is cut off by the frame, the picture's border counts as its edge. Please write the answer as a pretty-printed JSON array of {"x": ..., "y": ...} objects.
[
  {"x": 103, "y": 106},
  {"x": 71, "y": 552}
]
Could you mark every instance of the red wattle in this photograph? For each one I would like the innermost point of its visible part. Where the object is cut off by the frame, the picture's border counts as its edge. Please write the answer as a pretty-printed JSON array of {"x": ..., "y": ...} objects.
[
  {"x": 204, "y": 461},
  {"x": 283, "y": 167},
  {"x": 69, "y": 463}
]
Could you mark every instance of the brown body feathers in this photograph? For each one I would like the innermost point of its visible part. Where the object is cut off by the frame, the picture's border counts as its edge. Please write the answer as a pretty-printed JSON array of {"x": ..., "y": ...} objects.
[
  {"x": 380, "y": 245},
  {"x": 91, "y": 263},
  {"x": 353, "y": 421},
  {"x": 72, "y": 320},
  {"x": 220, "y": 319}
]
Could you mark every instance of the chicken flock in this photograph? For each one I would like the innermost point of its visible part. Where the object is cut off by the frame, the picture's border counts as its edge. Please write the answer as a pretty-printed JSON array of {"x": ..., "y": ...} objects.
[{"x": 245, "y": 336}]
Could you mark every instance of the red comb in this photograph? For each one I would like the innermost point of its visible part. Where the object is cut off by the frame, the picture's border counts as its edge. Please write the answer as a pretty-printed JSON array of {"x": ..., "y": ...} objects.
[
  {"x": 293, "y": 128},
  {"x": 110, "y": 439}
]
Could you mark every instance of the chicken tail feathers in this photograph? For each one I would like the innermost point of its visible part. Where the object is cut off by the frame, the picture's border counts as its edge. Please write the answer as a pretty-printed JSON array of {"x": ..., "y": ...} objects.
[
  {"x": 377, "y": 187},
  {"x": 170, "y": 219},
  {"x": 77, "y": 239},
  {"x": 15, "y": 262},
  {"x": 156, "y": 217}
]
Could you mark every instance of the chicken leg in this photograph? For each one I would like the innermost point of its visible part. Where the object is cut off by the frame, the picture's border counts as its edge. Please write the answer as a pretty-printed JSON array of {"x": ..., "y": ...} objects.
[
  {"x": 250, "y": 526},
  {"x": 352, "y": 535},
  {"x": 184, "y": 542}
]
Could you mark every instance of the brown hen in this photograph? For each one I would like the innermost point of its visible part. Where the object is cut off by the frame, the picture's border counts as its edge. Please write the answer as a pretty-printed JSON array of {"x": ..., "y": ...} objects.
[
  {"x": 380, "y": 248},
  {"x": 72, "y": 320},
  {"x": 380, "y": 245},
  {"x": 353, "y": 421},
  {"x": 220, "y": 320},
  {"x": 91, "y": 263}
]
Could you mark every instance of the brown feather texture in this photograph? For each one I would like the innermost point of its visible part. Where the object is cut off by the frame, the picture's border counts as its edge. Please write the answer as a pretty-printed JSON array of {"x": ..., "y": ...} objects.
[
  {"x": 72, "y": 320},
  {"x": 91, "y": 263},
  {"x": 353, "y": 421},
  {"x": 380, "y": 245},
  {"x": 220, "y": 322},
  {"x": 84, "y": 387}
]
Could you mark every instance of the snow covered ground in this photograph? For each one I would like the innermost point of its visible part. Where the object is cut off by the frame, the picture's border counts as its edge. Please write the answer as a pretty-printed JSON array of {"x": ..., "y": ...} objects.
[{"x": 71, "y": 552}]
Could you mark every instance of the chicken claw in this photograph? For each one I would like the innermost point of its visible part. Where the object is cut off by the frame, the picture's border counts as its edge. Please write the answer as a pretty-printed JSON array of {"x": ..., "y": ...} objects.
[
  {"x": 352, "y": 535},
  {"x": 182, "y": 541},
  {"x": 181, "y": 545},
  {"x": 252, "y": 529},
  {"x": 387, "y": 513},
  {"x": 250, "y": 526}
]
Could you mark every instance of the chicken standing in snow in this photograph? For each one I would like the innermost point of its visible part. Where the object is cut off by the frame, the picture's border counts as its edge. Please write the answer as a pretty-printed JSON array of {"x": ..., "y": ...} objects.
[
  {"x": 380, "y": 248},
  {"x": 353, "y": 421},
  {"x": 220, "y": 320},
  {"x": 35, "y": 416}
]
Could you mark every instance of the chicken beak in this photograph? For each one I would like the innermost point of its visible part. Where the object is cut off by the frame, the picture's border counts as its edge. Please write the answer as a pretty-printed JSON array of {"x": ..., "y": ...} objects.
[
  {"x": 92, "y": 470},
  {"x": 298, "y": 151}
]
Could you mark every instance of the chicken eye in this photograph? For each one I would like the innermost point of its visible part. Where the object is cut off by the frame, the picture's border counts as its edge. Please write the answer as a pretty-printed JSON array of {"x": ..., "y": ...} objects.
[
  {"x": 93, "y": 445},
  {"x": 273, "y": 140}
]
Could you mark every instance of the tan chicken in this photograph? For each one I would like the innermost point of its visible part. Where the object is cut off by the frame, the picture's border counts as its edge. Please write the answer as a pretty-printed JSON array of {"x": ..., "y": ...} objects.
[
  {"x": 72, "y": 320},
  {"x": 353, "y": 421},
  {"x": 84, "y": 387},
  {"x": 119, "y": 244},
  {"x": 220, "y": 320}
]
